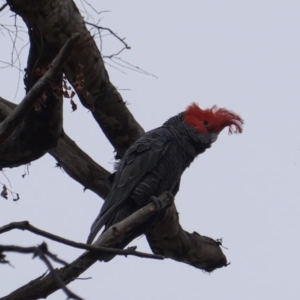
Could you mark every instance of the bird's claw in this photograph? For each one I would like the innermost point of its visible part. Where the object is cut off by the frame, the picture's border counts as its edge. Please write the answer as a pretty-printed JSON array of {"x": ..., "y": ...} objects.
[
  {"x": 169, "y": 199},
  {"x": 157, "y": 202},
  {"x": 165, "y": 200}
]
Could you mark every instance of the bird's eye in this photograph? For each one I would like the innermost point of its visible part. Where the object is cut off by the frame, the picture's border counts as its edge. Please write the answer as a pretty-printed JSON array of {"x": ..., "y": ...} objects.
[{"x": 205, "y": 123}]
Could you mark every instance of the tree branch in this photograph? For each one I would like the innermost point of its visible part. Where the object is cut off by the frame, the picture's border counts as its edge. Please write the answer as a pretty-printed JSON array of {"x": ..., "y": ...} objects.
[
  {"x": 168, "y": 238},
  {"x": 14, "y": 119},
  {"x": 75, "y": 162},
  {"x": 126, "y": 46},
  {"x": 3, "y": 6},
  {"x": 26, "y": 226},
  {"x": 43, "y": 287},
  {"x": 80, "y": 166},
  {"x": 55, "y": 22}
]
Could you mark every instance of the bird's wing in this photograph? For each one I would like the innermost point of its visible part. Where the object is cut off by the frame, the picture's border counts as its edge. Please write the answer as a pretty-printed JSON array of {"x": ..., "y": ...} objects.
[{"x": 139, "y": 159}]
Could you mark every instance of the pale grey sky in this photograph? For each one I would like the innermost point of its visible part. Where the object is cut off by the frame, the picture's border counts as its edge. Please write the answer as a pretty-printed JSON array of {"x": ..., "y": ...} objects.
[{"x": 242, "y": 55}]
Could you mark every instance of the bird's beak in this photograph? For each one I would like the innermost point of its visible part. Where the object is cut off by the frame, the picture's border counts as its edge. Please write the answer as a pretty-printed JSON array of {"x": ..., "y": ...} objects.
[{"x": 213, "y": 136}]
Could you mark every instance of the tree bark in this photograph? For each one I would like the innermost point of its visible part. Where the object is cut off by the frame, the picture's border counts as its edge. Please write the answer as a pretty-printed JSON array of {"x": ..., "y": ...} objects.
[
  {"x": 75, "y": 162},
  {"x": 55, "y": 21},
  {"x": 36, "y": 124}
]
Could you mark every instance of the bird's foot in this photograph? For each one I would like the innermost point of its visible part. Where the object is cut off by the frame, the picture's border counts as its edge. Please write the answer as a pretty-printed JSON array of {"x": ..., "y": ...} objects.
[{"x": 165, "y": 200}]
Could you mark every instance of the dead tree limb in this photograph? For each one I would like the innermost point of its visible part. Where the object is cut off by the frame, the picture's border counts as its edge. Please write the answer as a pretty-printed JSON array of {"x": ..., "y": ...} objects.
[
  {"x": 42, "y": 287},
  {"x": 75, "y": 162},
  {"x": 25, "y": 225},
  {"x": 35, "y": 125},
  {"x": 168, "y": 238},
  {"x": 55, "y": 22},
  {"x": 83, "y": 168}
]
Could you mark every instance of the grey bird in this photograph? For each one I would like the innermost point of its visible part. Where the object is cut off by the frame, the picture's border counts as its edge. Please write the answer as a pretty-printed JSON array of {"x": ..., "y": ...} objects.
[{"x": 155, "y": 162}]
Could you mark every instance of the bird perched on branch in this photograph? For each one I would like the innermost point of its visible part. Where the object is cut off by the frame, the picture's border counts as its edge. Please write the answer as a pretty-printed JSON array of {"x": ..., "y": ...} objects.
[{"x": 156, "y": 161}]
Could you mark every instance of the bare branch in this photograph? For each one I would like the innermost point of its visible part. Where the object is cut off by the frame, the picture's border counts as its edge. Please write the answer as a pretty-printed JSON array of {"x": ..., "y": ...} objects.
[
  {"x": 62, "y": 285},
  {"x": 93, "y": 8},
  {"x": 43, "y": 287},
  {"x": 3, "y": 6},
  {"x": 26, "y": 226},
  {"x": 129, "y": 66},
  {"x": 169, "y": 239},
  {"x": 115, "y": 54},
  {"x": 75, "y": 162},
  {"x": 111, "y": 32},
  {"x": 80, "y": 166},
  {"x": 54, "y": 22}
]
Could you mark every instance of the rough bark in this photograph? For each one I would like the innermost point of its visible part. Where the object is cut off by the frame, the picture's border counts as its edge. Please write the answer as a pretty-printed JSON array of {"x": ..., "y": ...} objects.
[
  {"x": 56, "y": 21},
  {"x": 167, "y": 238},
  {"x": 75, "y": 162},
  {"x": 81, "y": 167},
  {"x": 35, "y": 125}
]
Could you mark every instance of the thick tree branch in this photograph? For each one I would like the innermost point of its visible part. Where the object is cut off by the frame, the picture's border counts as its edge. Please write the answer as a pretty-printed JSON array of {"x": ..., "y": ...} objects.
[
  {"x": 79, "y": 166},
  {"x": 6, "y": 107},
  {"x": 75, "y": 162},
  {"x": 36, "y": 124},
  {"x": 55, "y": 22},
  {"x": 15, "y": 118},
  {"x": 43, "y": 287},
  {"x": 169, "y": 239}
]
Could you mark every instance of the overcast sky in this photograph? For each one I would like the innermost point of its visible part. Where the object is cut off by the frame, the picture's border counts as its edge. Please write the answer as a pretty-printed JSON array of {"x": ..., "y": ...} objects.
[{"x": 242, "y": 55}]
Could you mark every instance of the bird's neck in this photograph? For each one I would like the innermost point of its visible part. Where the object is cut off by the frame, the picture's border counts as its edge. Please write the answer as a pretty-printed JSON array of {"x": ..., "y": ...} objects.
[{"x": 190, "y": 142}]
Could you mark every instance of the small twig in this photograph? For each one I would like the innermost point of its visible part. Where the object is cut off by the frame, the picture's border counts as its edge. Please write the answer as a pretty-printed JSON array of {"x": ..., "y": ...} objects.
[
  {"x": 131, "y": 66},
  {"x": 55, "y": 258},
  {"x": 115, "y": 54},
  {"x": 82, "y": 263},
  {"x": 58, "y": 279},
  {"x": 26, "y": 226},
  {"x": 115, "y": 67},
  {"x": 111, "y": 32},
  {"x": 93, "y": 8},
  {"x": 9, "y": 65},
  {"x": 6, "y": 178},
  {"x": 3, "y": 6},
  {"x": 6, "y": 27}
]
